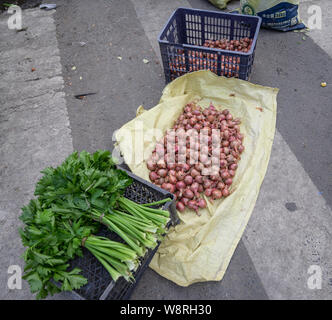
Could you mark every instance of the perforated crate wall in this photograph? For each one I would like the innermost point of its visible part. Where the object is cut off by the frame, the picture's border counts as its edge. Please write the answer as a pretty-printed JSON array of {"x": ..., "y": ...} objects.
[{"x": 181, "y": 43}]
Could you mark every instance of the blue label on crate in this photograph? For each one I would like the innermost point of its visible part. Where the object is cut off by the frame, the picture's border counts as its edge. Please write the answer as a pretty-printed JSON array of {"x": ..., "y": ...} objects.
[{"x": 283, "y": 16}]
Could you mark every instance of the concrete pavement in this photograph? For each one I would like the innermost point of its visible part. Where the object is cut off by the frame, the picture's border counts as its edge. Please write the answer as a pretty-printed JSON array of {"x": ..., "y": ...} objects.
[
  {"x": 34, "y": 127},
  {"x": 290, "y": 228}
]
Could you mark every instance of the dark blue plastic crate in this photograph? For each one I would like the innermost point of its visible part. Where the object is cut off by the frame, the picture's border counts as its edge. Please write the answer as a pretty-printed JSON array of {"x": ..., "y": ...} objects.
[{"x": 181, "y": 43}]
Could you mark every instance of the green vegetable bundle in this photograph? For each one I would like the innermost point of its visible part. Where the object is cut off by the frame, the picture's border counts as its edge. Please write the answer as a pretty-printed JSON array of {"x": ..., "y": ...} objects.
[{"x": 73, "y": 200}]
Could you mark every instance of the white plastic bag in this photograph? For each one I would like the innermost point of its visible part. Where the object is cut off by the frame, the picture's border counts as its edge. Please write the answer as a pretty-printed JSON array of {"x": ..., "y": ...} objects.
[
  {"x": 276, "y": 14},
  {"x": 221, "y": 4}
]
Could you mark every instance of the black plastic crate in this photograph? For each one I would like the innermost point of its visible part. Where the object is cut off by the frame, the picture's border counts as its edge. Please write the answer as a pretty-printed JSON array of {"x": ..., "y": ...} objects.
[
  {"x": 100, "y": 285},
  {"x": 181, "y": 43}
]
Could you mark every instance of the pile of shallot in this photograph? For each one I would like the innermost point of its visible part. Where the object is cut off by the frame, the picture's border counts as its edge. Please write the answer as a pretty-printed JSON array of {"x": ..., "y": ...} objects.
[
  {"x": 198, "y": 156},
  {"x": 200, "y": 60},
  {"x": 243, "y": 44}
]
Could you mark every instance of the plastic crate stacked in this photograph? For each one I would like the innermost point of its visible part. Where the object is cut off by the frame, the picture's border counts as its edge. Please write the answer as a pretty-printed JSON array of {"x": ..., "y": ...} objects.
[
  {"x": 181, "y": 43},
  {"x": 100, "y": 285}
]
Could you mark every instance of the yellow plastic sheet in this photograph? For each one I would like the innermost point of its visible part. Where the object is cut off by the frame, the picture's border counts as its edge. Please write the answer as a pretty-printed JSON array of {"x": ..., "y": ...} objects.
[{"x": 200, "y": 247}]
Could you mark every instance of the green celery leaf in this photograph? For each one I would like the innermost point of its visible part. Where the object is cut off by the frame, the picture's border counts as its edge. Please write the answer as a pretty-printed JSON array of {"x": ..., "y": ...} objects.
[
  {"x": 43, "y": 271},
  {"x": 42, "y": 294},
  {"x": 53, "y": 262},
  {"x": 96, "y": 193},
  {"x": 85, "y": 158},
  {"x": 66, "y": 286},
  {"x": 52, "y": 288},
  {"x": 34, "y": 281},
  {"x": 43, "y": 217}
]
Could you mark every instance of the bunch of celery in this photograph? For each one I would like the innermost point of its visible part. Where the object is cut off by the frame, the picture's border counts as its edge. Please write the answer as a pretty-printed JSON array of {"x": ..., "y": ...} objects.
[{"x": 74, "y": 199}]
